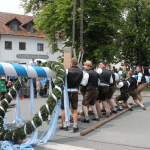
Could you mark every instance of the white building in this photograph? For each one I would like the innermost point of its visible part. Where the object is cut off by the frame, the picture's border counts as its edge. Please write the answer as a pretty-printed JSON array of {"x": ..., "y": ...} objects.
[{"x": 19, "y": 42}]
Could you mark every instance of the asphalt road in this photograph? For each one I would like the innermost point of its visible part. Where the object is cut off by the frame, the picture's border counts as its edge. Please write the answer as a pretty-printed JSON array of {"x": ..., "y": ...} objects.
[{"x": 130, "y": 131}]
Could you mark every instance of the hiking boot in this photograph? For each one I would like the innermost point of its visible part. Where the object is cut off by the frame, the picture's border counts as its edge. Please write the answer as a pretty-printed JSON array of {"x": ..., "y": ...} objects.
[
  {"x": 114, "y": 111},
  {"x": 63, "y": 128},
  {"x": 85, "y": 121},
  {"x": 75, "y": 129},
  {"x": 95, "y": 119},
  {"x": 119, "y": 109}
]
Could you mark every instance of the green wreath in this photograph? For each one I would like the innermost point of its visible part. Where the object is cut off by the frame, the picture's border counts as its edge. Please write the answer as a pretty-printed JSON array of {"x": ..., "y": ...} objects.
[{"x": 18, "y": 134}]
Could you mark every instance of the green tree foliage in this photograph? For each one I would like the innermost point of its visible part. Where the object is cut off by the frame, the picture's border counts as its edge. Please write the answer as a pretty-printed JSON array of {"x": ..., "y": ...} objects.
[
  {"x": 135, "y": 32},
  {"x": 101, "y": 25}
]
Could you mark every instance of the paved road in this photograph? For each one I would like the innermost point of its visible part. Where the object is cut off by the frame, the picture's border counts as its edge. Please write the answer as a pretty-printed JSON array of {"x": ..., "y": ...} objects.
[{"x": 130, "y": 131}]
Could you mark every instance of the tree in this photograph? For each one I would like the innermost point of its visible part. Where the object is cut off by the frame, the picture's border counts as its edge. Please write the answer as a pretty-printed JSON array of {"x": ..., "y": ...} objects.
[
  {"x": 101, "y": 25},
  {"x": 135, "y": 32}
]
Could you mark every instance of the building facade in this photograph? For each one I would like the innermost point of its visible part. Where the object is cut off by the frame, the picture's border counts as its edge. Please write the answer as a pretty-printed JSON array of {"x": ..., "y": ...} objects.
[{"x": 19, "y": 42}]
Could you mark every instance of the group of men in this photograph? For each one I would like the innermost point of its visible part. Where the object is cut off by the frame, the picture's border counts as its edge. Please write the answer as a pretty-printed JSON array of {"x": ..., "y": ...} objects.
[{"x": 98, "y": 85}]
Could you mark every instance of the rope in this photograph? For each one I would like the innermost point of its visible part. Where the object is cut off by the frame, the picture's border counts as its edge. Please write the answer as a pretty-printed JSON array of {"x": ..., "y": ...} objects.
[{"x": 73, "y": 28}]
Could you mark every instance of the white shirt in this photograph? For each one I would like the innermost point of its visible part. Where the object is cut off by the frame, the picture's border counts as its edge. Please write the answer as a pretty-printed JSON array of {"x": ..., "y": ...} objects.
[
  {"x": 85, "y": 79},
  {"x": 120, "y": 85},
  {"x": 139, "y": 77}
]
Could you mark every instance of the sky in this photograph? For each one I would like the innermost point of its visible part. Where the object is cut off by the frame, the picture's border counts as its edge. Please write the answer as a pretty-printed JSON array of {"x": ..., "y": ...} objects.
[{"x": 11, "y": 6}]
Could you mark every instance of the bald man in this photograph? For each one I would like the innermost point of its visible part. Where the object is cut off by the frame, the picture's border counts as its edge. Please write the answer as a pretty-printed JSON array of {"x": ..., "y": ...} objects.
[{"x": 74, "y": 77}]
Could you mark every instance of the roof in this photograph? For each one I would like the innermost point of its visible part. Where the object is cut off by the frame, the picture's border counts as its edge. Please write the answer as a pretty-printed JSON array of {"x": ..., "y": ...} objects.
[{"x": 5, "y": 18}]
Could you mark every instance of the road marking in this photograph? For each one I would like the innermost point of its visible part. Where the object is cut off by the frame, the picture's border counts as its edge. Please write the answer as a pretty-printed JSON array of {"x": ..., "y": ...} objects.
[{"x": 58, "y": 146}]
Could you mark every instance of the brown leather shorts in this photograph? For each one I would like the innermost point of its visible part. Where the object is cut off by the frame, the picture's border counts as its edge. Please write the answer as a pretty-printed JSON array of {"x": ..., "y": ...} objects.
[
  {"x": 103, "y": 93},
  {"x": 82, "y": 90},
  {"x": 73, "y": 100},
  {"x": 122, "y": 97},
  {"x": 133, "y": 94},
  {"x": 90, "y": 98},
  {"x": 111, "y": 91}
]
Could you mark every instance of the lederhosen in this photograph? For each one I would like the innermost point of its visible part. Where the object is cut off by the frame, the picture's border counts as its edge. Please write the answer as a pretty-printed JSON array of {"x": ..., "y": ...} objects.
[
  {"x": 104, "y": 84},
  {"x": 112, "y": 86},
  {"x": 91, "y": 89},
  {"x": 133, "y": 88},
  {"x": 142, "y": 84},
  {"x": 124, "y": 92},
  {"x": 74, "y": 78}
]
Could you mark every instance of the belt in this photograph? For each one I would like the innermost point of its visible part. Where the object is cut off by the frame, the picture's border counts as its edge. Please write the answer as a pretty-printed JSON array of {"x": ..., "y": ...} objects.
[{"x": 72, "y": 90}]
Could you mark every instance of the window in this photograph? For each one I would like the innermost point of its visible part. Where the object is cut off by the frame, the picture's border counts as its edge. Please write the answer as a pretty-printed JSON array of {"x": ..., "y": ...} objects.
[
  {"x": 14, "y": 26},
  {"x": 22, "y": 46},
  {"x": 8, "y": 45},
  {"x": 39, "y": 47}
]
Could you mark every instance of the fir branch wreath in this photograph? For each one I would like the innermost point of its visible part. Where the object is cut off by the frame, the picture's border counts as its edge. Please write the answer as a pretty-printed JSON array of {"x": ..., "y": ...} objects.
[{"x": 21, "y": 132}]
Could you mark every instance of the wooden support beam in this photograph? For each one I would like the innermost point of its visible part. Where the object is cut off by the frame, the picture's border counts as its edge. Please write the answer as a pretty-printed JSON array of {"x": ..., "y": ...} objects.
[{"x": 103, "y": 122}]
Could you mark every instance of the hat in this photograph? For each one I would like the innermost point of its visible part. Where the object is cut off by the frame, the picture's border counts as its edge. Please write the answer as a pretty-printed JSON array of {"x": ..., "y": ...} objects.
[
  {"x": 124, "y": 75},
  {"x": 89, "y": 63}
]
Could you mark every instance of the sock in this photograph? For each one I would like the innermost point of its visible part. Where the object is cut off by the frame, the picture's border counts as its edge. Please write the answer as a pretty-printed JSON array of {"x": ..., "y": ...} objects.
[
  {"x": 142, "y": 105},
  {"x": 129, "y": 106},
  {"x": 81, "y": 111},
  {"x": 120, "y": 107},
  {"x": 87, "y": 117},
  {"x": 96, "y": 116},
  {"x": 64, "y": 124},
  {"x": 75, "y": 125},
  {"x": 114, "y": 109},
  {"x": 107, "y": 113}
]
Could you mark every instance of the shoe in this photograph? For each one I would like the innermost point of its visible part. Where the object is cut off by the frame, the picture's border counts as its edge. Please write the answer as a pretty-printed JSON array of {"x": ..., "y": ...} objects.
[
  {"x": 119, "y": 109},
  {"x": 144, "y": 108},
  {"x": 19, "y": 98},
  {"x": 75, "y": 129},
  {"x": 130, "y": 103},
  {"x": 22, "y": 98},
  {"x": 63, "y": 128},
  {"x": 103, "y": 110},
  {"x": 108, "y": 115},
  {"x": 131, "y": 109},
  {"x": 95, "y": 119},
  {"x": 114, "y": 111},
  {"x": 85, "y": 121}
]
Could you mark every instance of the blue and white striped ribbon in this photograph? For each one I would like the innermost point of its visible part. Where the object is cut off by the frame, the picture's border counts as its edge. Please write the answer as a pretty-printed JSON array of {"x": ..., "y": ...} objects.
[
  {"x": 66, "y": 104},
  {"x": 7, "y": 69}
]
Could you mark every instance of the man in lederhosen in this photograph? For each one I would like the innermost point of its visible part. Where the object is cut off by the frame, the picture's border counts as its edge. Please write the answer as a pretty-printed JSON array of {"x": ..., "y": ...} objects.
[
  {"x": 104, "y": 82},
  {"x": 90, "y": 80},
  {"x": 133, "y": 89},
  {"x": 112, "y": 89},
  {"x": 74, "y": 77},
  {"x": 141, "y": 82},
  {"x": 124, "y": 89}
]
